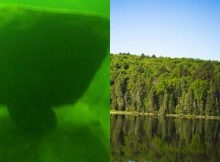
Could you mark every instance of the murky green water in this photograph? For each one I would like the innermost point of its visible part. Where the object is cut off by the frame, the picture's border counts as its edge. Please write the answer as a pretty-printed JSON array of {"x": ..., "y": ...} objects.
[
  {"x": 147, "y": 139},
  {"x": 54, "y": 87},
  {"x": 101, "y": 7}
]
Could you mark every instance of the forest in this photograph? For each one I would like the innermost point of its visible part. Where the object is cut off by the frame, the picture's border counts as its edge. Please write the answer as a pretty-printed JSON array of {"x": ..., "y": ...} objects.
[{"x": 163, "y": 85}]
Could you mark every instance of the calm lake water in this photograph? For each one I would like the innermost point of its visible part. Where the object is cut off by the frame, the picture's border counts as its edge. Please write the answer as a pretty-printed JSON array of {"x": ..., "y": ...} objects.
[{"x": 152, "y": 139}]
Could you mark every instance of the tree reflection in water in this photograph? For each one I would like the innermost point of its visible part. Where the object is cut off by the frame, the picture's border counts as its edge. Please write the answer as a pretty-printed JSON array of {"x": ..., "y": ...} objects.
[{"x": 142, "y": 139}]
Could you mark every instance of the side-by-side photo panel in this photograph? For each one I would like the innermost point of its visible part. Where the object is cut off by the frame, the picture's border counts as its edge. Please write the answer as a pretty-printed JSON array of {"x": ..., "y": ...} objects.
[
  {"x": 165, "y": 81},
  {"x": 54, "y": 81}
]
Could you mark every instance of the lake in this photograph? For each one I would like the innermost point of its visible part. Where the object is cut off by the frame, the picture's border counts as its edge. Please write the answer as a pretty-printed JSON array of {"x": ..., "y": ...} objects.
[{"x": 152, "y": 139}]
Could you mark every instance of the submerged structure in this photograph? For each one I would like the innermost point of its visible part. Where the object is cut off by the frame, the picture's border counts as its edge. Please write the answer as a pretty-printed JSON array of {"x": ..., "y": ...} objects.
[{"x": 47, "y": 59}]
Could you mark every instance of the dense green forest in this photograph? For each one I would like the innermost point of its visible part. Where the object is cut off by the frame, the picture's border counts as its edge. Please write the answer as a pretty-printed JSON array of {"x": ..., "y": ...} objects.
[{"x": 165, "y": 85}]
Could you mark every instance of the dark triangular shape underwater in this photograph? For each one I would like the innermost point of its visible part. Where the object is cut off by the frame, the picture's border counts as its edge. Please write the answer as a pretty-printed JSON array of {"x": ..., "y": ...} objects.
[{"x": 47, "y": 59}]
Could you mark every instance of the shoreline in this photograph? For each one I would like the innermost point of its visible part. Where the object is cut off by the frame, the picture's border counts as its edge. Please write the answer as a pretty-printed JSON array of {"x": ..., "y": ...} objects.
[{"x": 181, "y": 116}]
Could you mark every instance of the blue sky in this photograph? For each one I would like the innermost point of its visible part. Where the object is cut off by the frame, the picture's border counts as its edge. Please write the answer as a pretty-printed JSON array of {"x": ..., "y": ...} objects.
[{"x": 175, "y": 28}]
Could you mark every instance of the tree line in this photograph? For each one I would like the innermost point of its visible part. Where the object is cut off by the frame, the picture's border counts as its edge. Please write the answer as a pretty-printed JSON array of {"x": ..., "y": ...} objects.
[{"x": 164, "y": 85}]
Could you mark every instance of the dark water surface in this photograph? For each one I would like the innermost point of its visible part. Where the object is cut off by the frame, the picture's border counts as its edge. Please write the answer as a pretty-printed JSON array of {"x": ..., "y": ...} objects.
[{"x": 150, "y": 139}]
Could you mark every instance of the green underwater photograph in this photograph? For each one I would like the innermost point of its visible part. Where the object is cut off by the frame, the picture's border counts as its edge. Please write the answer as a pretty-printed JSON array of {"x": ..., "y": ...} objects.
[
  {"x": 165, "y": 81},
  {"x": 54, "y": 81}
]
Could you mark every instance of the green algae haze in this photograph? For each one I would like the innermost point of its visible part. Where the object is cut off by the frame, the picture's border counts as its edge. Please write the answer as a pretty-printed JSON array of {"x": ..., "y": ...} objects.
[{"x": 54, "y": 82}]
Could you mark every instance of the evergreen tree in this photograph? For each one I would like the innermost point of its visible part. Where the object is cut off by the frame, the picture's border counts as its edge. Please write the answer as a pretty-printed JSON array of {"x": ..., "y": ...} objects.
[
  {"x": 189, "y": 102},
  {"x": 152, "y": 101},
  {"x": 171, "y": 104},
  {"x": 164, "y": 108},
  {"x": 140, "y": 95},
  {"x": 211, "y": 104}
]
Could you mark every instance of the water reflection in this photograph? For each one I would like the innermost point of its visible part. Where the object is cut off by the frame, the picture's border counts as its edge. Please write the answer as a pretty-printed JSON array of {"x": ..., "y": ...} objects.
[{"x": 149, "y": 139}]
